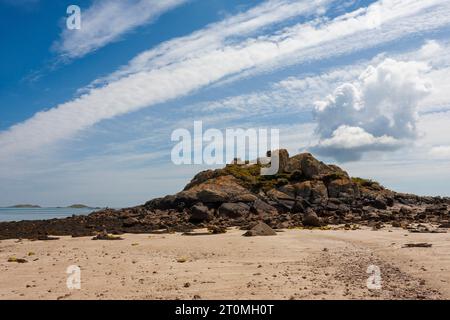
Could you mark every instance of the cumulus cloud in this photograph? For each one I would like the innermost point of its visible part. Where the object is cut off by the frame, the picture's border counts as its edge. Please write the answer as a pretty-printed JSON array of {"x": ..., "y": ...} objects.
[
  {"x": 430, "y": 49},
  {"x": 378, "y": 112},
  {"x": 107, "y": 20},
  {"x": 348, "y": 143}
]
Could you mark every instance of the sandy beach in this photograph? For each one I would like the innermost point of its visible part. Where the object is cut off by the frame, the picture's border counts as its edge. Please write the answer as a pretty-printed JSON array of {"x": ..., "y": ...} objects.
[{"x": 294, "y": 264}]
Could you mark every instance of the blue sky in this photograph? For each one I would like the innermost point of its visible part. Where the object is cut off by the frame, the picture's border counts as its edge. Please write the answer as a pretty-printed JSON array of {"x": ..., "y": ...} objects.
[{"x": 87, "y": 115}]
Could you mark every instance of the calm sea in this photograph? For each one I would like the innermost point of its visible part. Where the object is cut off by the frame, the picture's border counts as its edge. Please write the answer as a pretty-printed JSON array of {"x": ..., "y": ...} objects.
[{"x": 17, "y": 214}]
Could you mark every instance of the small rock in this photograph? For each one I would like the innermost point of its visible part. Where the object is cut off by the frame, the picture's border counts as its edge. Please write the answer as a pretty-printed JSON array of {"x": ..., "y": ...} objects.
[
  {"x": 261, "y": 229},
  {"x": 417, "y": 245},
  {"x": 105, "y": 236},
  {"x": 18, "y": 260}
]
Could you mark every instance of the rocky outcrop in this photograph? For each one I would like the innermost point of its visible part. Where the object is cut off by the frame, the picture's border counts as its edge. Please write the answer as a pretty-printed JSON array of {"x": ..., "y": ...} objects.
[{"x": 305, "y": 192}]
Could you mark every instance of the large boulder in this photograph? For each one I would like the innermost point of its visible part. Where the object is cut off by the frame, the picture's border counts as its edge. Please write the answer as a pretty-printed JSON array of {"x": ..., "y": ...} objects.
[
  {"x": 319, "y": 192},
  {"x": 275, "y": 194},
  {"x": 262, "y": 208},
  {"x": 378, "y": 203},
  {"x": 343, "y": 187},
  {"x": 309, "y": 166},
  {"x": 283, "y": 158},
  {"x": 218, "y": 190},
  {"x": 212, "y": 195},
  {"x": 234, "y": 210},
  {"x": 310, "y": 219},
  {"x": 313, "y": 190},
  {"x": 200, "y": 213}
]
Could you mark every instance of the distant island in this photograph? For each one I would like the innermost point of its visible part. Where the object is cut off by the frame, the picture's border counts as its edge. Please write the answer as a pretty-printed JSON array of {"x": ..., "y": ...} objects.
[
  {"x": 79, "y": 206},
  {"x": 73, "y": 206},
  {"x": 25, "y": 206}
]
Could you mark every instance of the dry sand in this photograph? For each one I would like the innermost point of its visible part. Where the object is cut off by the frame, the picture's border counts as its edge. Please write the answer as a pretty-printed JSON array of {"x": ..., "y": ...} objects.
[{"x": 294, "y": 264}]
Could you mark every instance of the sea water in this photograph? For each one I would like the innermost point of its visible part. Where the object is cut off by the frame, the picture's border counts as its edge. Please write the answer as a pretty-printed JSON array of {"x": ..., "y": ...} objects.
[{"x": 18, "y": 214}]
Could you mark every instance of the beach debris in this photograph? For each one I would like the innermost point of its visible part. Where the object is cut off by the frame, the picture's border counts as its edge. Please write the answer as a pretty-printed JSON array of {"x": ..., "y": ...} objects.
[
  {"x": 426, "y": 229},
  {"x": 182, "y": 259},
  {"x": 18, "y": 260},
  {"x": 45, "y": 238},
  {"x": 445, "y": 224},
  {"x": 106, "y": 236},
  {"x": 377, "y": 226},
  {"x": 196, "y": 234},
  {"x": 217, "y": 229},
  {"x": 187, "y": 285},
  {"x": 417, "y": 245},
  {"x": 260, "y": 229}
]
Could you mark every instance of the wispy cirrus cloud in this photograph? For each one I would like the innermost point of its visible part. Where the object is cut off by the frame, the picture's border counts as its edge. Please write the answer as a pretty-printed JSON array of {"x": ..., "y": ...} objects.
[
  {"x": 106, "y": 21},
  {"x": 232, "y": 30},
  {"x": 173, "y": 75}
]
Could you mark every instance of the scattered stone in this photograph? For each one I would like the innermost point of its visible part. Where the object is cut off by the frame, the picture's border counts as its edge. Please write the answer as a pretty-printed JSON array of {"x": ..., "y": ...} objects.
[
  {"x": 396, "y": 224},
  {"x": 105, "y": 236},
  {"x": 45, "y": 238},
  {"x": 261, "y": 229},
  {"x": 217, "y": 229},
  {"x": 18, "y": 260},
  {"x": 417, "y": 245},
  {"x": 182, "y": 260},
  {"x": 425, "y": 229}
]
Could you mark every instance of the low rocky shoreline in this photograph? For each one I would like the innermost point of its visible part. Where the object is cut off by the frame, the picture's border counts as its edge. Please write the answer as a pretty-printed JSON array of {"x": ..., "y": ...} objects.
[{"x": 304, "y": 193}]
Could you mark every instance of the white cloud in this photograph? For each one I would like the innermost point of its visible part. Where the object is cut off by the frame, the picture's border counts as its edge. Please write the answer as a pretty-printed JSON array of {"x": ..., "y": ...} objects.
[
  {"x": 349, "y": 143},
  {"x": 355, "y": 31},
  {"x": 376, "y": 112},
  {"x": 105, "y": 21},
  {"x": 216, "y": 36},
  {"x": 182, "y": 76},
  {"x": 441, "y": 152},
  {"x": 429, "y": 50}
]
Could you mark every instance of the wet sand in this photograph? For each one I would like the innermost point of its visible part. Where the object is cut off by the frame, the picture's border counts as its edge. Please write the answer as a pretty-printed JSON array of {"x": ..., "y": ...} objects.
[{"x": 294, "y": 264}]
